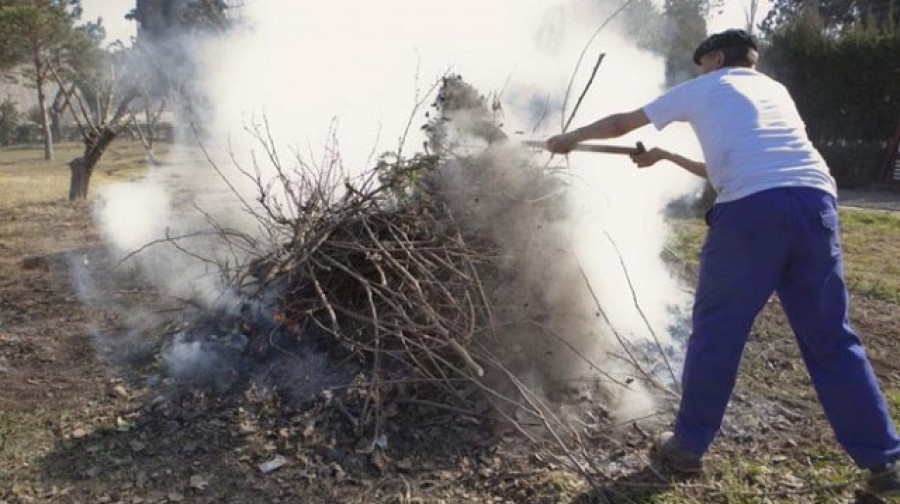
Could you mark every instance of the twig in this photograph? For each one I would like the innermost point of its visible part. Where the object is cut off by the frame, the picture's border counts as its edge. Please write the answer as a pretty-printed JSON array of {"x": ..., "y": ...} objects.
[
  {"x": 632, "y": 359},
  {"x": 584, "y": 52},
  {"x": 637, "y": 306},
  {"x": 584, "y": 92}
]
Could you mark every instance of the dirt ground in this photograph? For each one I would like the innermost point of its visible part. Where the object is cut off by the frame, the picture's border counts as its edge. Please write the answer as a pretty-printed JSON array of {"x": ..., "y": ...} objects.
[{"x": 75, "y": 429}]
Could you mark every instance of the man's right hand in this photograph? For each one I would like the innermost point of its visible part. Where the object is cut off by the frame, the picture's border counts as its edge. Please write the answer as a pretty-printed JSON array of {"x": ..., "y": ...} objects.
[{"x": 561, "y": 144}]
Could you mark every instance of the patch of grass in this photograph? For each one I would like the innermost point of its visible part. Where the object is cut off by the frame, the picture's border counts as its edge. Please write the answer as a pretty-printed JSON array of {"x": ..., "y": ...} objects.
[
  {"x": 822, "y": 477},
  {"x": 26, "y": 177},
  {"x": 671, "y": 498},
  {"x": 26, "y": 435},
  {"x": 870, "y": 238},
  {"x": 561, "y": 486},
  {"x": 892, "y": 396},
  {"x": 20, "y": 436},
  {"x": 686, "y": 239},
  {"x": 7, "y": 428}
]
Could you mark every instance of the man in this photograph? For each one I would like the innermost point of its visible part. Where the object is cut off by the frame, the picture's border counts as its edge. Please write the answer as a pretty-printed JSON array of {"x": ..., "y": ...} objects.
[{"x": 774, "y": 227}]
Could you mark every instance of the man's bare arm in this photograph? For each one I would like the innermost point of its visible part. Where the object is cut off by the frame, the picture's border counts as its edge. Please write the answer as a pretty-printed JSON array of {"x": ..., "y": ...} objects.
[{"x": 611, "y": 126}]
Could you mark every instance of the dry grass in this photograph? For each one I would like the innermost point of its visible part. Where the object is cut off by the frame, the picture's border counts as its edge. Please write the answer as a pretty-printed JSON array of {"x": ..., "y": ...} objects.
[{"x": 28, "y": 178}]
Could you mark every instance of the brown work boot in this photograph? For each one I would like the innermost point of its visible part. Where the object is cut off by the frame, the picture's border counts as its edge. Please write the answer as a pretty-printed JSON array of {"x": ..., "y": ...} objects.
[
  {"x": 668, "y": 449},
  {"x": 884, "y": 481}
]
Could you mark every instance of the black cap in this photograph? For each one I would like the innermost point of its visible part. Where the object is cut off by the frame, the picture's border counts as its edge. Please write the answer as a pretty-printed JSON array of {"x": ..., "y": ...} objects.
[{"x": 727, "y": 38}]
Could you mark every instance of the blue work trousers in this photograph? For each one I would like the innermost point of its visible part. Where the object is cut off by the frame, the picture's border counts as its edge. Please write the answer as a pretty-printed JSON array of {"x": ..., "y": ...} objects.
[{"x": 783, "y": 240}]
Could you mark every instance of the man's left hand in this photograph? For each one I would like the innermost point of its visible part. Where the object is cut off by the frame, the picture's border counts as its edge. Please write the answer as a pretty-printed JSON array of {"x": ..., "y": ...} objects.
[{"x": 648, "y": 158}]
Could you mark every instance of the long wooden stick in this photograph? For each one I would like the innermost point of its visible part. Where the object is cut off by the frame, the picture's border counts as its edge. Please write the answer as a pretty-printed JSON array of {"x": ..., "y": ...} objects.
[{"x": 587, "y": 147}]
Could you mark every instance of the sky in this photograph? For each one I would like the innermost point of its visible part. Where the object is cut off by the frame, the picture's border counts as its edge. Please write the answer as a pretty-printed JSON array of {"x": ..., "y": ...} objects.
[
  {"x": 113, "y": 14},
  {"x": 734, "y": 15},
  {"x": 117, "y": 27}
]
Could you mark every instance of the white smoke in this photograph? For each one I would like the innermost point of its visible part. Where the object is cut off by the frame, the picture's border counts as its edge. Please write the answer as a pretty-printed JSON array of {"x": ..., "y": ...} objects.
[
  {"x": 347, "y": 74},
  {"x": 134, "y": 214}
]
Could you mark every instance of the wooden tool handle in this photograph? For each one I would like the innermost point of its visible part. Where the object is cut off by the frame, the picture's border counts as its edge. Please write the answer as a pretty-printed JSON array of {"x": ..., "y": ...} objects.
[{"x": 588, "y": 147}]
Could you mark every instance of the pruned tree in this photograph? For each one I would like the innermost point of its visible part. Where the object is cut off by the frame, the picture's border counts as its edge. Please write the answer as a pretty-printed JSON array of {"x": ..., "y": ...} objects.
[
  {"x": 42, "y": 35},
  {"x": 152, "y": 108},
  {"x": 101, "y": 107},
  {"x": 82, "y": 56}
]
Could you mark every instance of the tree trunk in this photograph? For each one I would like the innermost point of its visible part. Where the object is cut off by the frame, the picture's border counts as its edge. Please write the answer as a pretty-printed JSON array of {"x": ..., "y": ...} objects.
[
  {"x": 42, "y": 102},
  {"x": 751, "y": 12},
  {"x": 82, "y": 168},
  {"x": 148, "y": 115},
  {"x": 78, "y": 184},
  {"x": 95, "y": 144},
  {"x": 55, "y": 127},
  {"x": 45, "y": 120}
]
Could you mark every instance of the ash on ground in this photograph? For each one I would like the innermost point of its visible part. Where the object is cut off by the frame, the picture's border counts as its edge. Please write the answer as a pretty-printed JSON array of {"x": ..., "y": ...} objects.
[{"x": 226, "y": 354}]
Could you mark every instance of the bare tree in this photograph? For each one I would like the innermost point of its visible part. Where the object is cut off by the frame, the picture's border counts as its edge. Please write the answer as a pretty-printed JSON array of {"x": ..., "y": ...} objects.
[
  {"x": 103, "y": 116},
  {"x": 97, "y": 138}
]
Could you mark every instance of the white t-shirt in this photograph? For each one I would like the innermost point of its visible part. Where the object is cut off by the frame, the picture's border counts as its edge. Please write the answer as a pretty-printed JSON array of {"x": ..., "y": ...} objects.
[{"x": 752, "y": 136}]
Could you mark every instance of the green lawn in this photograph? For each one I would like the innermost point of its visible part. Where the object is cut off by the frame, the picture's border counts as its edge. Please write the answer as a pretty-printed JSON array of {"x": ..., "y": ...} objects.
[{"x": 871, "y": 242}]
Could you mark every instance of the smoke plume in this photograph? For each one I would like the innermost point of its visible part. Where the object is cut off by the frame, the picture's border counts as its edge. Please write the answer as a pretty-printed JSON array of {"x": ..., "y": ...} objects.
[{"x": 344, "y": 77}]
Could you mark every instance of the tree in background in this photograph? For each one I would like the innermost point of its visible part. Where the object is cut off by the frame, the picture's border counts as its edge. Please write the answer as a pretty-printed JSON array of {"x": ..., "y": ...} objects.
[
  {"x": 672, "y": 32},
  {"x": 835, "y": 15},
  {"x": 82, "y": 56},
  {"x": 159, "y": 19},
  {"x": 169, "y": 30},
  {"x": 157, "y": 65},
  {"x": 685, "y": 28},
  {"x": 41, "y": 34},
  {"x": 842, "y": 76},
  {"x": 9, "y": 120},
  {"x": 111, "y": 87},
  {"x": 645, "y": 25},
  {"x": 838, "y": 58},
  {"x": 751, "y": 14}
]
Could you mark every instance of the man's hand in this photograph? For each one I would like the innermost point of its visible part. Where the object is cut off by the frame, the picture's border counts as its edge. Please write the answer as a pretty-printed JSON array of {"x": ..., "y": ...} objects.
[
  {"x": 561, "y": 144},
  {"x": 649, "y": 158}
]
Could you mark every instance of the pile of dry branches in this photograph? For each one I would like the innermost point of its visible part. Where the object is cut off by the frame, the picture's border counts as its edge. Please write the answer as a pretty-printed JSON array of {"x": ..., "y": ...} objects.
[
  {"x": 379, "y": 261},
  {"x": 445, "y": 269},
  {"x": 389, "y": 262},
  {"x": 382, "y": 272}
]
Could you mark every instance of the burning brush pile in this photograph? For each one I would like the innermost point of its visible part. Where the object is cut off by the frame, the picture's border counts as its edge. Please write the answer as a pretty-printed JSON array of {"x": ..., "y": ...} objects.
[{"x": 446, "y": 275}]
